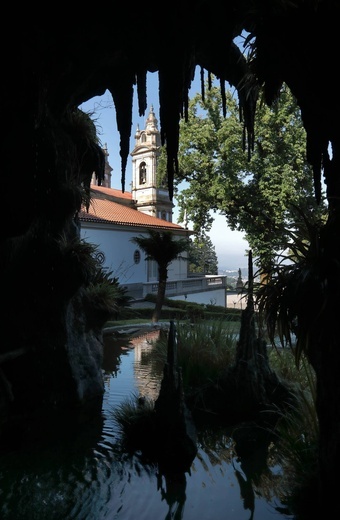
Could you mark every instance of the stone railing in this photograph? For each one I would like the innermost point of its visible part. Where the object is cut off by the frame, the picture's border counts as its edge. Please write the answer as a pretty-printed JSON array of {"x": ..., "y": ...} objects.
[{"x": 188, "y": 285}]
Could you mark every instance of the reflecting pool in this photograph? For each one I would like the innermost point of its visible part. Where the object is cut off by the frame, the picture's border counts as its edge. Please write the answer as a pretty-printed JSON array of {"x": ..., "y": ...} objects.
[{"x": 84, "y": 474}]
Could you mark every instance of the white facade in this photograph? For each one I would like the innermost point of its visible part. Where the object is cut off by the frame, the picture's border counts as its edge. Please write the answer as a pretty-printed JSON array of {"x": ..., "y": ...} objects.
[
  {"x": 149, "y": 197},
  {"x": 213, "y": 297},
  {"x": 124, "y": 258},
  {"x": 115, "y": 218}
]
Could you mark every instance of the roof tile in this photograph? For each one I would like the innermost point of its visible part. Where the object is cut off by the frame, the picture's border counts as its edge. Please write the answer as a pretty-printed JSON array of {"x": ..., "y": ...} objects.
[{"x": 110, "y": 206}]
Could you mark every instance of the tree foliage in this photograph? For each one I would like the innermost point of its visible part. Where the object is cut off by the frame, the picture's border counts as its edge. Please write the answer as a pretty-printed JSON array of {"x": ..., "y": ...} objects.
[
  {"x": 163, "y": 249},
  {"x": 202, "y": 255},
  {"x": 256, "y": 196}
]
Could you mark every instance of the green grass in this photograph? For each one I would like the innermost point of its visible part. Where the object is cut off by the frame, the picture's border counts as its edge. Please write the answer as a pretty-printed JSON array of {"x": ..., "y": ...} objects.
[
  {"x": 204, "y": 350},
  {"x": 232, "y": 325},
  {"x": 118, "y": 323},
  {"x": 133, "y": 415}
]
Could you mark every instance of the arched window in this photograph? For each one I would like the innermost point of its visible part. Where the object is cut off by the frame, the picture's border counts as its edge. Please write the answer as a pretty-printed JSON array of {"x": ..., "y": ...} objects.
[
  {"x": 143, "y": 138},
  {"x": 152, "y": 271},
  {"x": 136, "y": 256},
  {"x": 142, "y": 173}
]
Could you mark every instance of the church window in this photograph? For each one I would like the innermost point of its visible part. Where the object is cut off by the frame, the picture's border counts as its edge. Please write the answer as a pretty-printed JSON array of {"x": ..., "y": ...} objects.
[
  {"x": 152, "y": 270},
  {"x": 143, "y": 139},
  {"x": 142, "y": 173},
  {"x": 100, "y": 257},
  {"x": 136, "y": 256}
]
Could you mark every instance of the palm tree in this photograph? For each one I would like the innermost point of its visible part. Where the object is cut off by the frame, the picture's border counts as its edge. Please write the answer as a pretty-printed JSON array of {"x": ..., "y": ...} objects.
[
  {"x": 301, "y": 301},
  {"x": 163, "y": 249}
]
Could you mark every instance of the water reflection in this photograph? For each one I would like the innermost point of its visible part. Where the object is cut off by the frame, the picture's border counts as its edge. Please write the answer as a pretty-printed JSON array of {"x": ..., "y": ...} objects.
[
  {"x": 86, "y": 475},
  {"x": 172, "y": 488}
]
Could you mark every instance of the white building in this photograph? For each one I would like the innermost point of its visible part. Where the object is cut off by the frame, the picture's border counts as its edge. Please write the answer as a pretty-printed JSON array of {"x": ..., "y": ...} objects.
[{"x": 114, "y": 218}]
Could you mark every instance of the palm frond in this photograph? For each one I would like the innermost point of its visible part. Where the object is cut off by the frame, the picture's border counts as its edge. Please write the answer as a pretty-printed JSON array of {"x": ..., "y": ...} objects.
[{"x": 296, "y": 294}]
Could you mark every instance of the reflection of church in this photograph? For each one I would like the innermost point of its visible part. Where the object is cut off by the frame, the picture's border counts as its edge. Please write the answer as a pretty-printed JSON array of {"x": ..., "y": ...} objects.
[{"x": 147, "y": 379}]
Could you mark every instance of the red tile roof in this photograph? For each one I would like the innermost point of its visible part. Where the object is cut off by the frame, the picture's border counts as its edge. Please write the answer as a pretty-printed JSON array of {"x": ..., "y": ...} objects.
[
  {"x": 114, "y": 207},
  {"x": 112, "y": 194}
]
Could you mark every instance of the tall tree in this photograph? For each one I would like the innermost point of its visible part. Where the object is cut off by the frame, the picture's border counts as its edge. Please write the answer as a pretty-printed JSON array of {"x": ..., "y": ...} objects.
[
  {"x": 202, "y": 255},
  {"x": 257, "y": 196},
  {"x": 261, "y": 197},
  {"x": 163, "y": 249}
]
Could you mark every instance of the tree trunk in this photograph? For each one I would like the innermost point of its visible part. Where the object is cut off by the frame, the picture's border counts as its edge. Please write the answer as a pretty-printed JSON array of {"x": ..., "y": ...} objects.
[
  {"x": 258, "y": 386},
  {"x": 162, "y": 278},
  {"x": 324, "y": 353},
  {"x": 328, "y": 411},
  {"x": 177, "y": 432}
]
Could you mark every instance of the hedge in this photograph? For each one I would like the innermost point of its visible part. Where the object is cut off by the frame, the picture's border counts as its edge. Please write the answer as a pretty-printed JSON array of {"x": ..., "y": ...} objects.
[{"x": 180, "y": 310}]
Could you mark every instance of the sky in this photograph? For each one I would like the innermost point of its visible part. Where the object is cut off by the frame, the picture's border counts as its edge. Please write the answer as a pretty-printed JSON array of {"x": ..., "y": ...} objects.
[{"x": 230, "y": 246}]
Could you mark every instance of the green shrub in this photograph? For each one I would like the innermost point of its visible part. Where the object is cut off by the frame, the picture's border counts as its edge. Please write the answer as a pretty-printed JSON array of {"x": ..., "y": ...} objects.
[
  {"x": 214, "y": 315},
  {"x": 204, "y": 351},
  {"x": 150, "y": 298},
  {"x": 177, "y": 304},
  {"x": 194, "y": 311},
  {"x": 233, "y": 314},
  {"x": 219, "y": 309}
]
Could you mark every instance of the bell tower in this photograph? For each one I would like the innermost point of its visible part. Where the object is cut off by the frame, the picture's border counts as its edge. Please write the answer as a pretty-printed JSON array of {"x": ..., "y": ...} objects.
[{"x": 148, "y": 196}]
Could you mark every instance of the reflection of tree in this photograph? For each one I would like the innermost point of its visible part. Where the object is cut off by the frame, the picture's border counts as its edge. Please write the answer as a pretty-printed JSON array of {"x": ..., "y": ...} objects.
[
  {"x": 247, "y": 493},
  {"x": 258, "y": 461},
  {"x": 253, "y": 465},
  {"x": 112, "y": 350},
  {"x": 254, "y": 448},
  {"x": 218, "y": 445},
  {"x": 256, "y": 470},
  {"x": 173, "y": 494}
]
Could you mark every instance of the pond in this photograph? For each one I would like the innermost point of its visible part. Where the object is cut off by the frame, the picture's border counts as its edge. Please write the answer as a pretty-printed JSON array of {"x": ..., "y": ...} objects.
[{"x": 84, "y": 474}]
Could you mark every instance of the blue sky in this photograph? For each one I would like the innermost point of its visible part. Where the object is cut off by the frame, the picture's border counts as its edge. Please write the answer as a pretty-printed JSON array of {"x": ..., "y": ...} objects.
[{"x": 230, "y": 245}]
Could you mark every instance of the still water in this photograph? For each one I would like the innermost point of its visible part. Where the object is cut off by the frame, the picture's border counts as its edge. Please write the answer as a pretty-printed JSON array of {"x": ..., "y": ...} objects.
[{"x": 84, "y": 474}]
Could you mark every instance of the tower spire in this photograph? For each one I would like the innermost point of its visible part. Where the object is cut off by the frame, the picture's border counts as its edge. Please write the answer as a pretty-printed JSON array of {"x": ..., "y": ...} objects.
[{"x": 148, "y": 196}]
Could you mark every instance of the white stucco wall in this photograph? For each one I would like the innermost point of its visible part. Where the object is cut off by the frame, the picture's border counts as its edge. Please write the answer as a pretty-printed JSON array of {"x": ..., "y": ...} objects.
[
  {"x": 214, "y": 297},
  {"x": 114, "y": 242},
  {"x": 236, "y": 300}
]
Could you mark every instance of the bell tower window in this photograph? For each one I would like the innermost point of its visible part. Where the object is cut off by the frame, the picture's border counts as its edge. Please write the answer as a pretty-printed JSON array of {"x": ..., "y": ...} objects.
[{"x": 142, "y": 173}]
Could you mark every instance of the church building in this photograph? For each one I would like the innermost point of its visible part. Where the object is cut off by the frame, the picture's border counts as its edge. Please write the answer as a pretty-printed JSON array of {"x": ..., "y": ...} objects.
[{"x": 114, "y": 218}]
